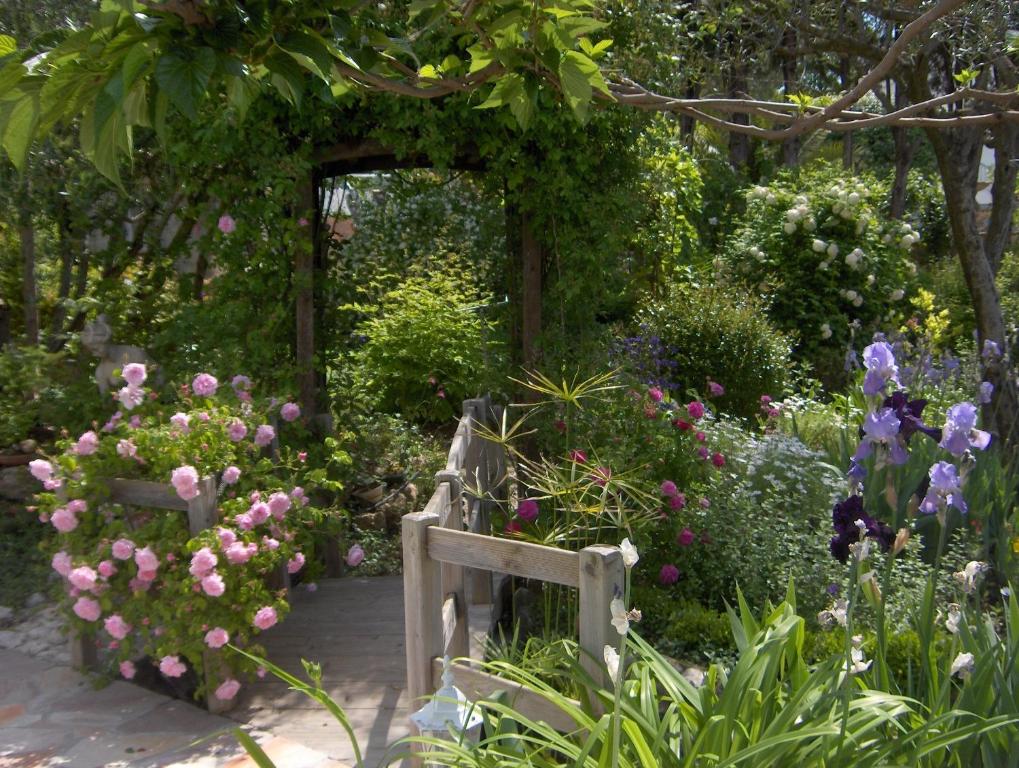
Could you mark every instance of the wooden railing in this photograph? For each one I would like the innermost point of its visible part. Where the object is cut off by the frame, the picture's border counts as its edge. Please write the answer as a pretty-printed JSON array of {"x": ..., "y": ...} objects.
[
  {"x": 202, "y": 514},
  {"x": 447, "y": 548}
]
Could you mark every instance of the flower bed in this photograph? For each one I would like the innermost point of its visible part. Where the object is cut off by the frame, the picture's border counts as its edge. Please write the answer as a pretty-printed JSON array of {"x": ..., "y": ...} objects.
[{"x": 141, "y": 581}]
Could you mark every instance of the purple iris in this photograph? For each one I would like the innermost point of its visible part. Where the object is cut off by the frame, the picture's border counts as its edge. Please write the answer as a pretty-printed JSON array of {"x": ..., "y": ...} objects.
[
  {"x": 991, "y": 349},
  {"x": 879, "y": 360},
  {"x": 986, "y": 392},
  {"x": 960, "y": 431},
  {"x": 944, "y": 490},
  {"x": 844, "y": 518},
  {"x": 881, "y": 428},
  {"x": 910, "y": 415}
]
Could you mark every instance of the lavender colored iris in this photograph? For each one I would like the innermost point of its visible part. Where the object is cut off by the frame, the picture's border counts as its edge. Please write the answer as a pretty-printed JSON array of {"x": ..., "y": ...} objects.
[
  {"x": 986, "y": 392},
  {"x": 944, "y": 490},
  {"x": 960, "y": 431},
  {"x": 991, "y": 349},
  {"x": 881, "y": 428},
  {"x": 879, "y": 360}
]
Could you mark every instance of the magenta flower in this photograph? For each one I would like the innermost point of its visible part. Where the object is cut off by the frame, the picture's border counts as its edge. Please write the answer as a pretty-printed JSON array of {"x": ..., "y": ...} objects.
[
  {"x": 718, "y": 459},
  {"x": 226, "y": 224},
  {"x": 123, "y": 549},
  {"x": 265, "y": 617},
  {"x": 601, "y": 476},
  {"x": 513, "y": 526},
  {"x": 87, "y": 444},
  {"x": 290, "y": 412},
  {"x": 134, "y": 374},
  {"x": 87, "y": 609},
  {"x": 296, "y": 563},
  {"x": 355, "y": 556},
  {"x": 527, "y": 510},
  {"x": 41, "y": 470},
  {"x": 677, "y": 502},
  {"x": 227, "y": 689},
  {"x": 704, "y": 502},
  {"x": 695, "y": 409},
  {"x": 668, "y": 488},
  {"x": 668, "y": 575},
  {"x": 685, "y": 538},
  {"x": 655, "y": 394},
  {"x": 578, "y": 457},
  {"x": 217, "y": 638},
  {"x": 172, "y": 666},
  {"x": 204, "y": 385},
  {"x": 715, "y": 389},
  {"x": 264, "y": 435},
  {"x": 703, "y": 452}
]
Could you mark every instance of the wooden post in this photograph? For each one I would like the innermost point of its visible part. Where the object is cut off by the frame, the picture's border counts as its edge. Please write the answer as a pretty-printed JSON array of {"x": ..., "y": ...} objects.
[
  {"x": 453, "y": 576},
  {"x": 479, "y": 581},
  {"x": 422, "y": 605},
  {"x": 601, "y": 579},
  {"x": 202, "y": 508},
  {"x": 84, "y": 656}
]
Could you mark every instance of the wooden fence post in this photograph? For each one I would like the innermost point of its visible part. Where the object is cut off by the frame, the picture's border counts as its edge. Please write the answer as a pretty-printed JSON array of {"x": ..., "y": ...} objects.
[
  {"x": 601, "y": 579},
  {"x": 422, "y": 605},
  {"x": 453, "y": 576},
  {"x": 202, "y": 508},
  {"x": 479, "y": 474}
]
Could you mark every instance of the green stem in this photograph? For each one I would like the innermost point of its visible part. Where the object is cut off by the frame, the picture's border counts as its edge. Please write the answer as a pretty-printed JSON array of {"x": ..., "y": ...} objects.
[
  {"x": 618, "y": 682},
  {"x": 847, "y": 649}
]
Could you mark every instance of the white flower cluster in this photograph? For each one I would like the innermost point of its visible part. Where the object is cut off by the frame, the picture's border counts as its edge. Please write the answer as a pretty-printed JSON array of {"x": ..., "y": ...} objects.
[
  {"x": 799, "y": 215},
  {"x": 903, "y": 234},
  {"x": 848, "y": 201}
]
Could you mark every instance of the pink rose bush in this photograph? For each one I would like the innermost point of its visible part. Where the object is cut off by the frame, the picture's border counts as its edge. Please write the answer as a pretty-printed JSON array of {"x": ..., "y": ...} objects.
[{"x": 145, "y": 586}]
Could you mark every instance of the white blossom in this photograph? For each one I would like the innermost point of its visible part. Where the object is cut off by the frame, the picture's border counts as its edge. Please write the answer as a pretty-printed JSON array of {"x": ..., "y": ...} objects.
[
  {"x": 954, "y": 617},
  {"x": 963, "y": 665},
  {"x": 819, "y": 246},
  {"x": 853, "y": 198},
  {"x": 833, "y": 250},
  {"x": 896, "y": 295},
  {"x": 611, "y": 662},
  {"x": 825, "y": 331},
  {"x": 967, "y": 577},
  {"x": 789, "y": 227},
  {"x": 857, "y": 662},
  {"x": 630, "y": 556},
  {"x": 858, "y": 301},
  {"x": 620, "y": 618}
]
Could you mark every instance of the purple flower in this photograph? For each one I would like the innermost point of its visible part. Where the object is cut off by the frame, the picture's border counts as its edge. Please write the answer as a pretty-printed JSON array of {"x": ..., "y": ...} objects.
[
  {"x": 879, "y": 360},
  {"x": 910, "y": 414},
  {"x": 527, "y": 510},
  {"x": 290, "y": 412},
  {"x": 986, "y": 392},
  {"x": 845, "y": 516},
  {"x": 960, "y": 431},
  {"x": 881, "y": 429},
  {"x": 944, "y": 490},
  {"x": 668, "y": 575},
  {"x": 715, "y": 389},
  {"x": 204, "y": 385},
  {"x": 991, "y": 349}
]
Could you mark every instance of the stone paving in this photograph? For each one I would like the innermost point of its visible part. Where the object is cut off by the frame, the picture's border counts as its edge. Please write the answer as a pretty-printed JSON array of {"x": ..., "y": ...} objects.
[{"x": 50, "y": 715}]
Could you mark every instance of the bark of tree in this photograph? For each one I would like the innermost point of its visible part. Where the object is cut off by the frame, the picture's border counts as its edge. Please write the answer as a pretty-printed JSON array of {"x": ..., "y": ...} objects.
[
  {"x": 304, "y": 304},
  {"x": 845, "y": 73},
  {"x": 904, "y": 150},
  {"x": 739, "y": 143},
  {"x": 532, "y": 262},
  {"x": 790, "y": 147},
  {"x": 29, "y": 296}
]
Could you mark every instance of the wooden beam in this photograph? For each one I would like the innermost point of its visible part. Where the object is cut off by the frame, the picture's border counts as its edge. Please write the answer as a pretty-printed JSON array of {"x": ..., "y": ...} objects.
[
  {"x": 142, "y": 493},
  {"x": 602, "y": 577},
  {"x": 519, "y": 558},
  {"x": 368, "y": 155}
]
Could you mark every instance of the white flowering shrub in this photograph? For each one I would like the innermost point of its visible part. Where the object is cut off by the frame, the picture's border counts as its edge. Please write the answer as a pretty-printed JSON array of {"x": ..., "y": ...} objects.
[{"x": 818, "y": 248}]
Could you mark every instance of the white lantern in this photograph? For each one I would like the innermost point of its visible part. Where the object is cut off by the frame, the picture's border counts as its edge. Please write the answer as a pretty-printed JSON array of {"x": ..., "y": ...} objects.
[{"x": 448, "y": 715}]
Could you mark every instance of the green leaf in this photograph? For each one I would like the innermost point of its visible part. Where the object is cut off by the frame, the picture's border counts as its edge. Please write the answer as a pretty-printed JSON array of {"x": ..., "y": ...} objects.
[
  {"x": 505, "y": 90},
  {"x": 10, "y": 76},
  {"x": 184, "y": 77},
  {"x": 8, "y": 45},
  {"x": 20, "y": 129},
  {"x": 241, "y": 91},
  {"x": 310, "y": 52},
  {"x": 574, "y": 76},
  {"x": 255, "y": 752},
  {"x": 286, "y": 76}
]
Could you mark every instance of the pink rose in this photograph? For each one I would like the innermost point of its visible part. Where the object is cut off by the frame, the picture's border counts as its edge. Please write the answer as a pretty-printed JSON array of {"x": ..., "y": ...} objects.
[
  {"x": 134, "y": 374},
  {"x": 185, "y": 482},
  {"x": 83, "y": 578},
  {"x": 87, "y": 444},
  {"x": 239, "y": 553},
  {"x": 41, "y": 470},
  {"x": 244, "y": 521},
  {"x": 127, "y": 670},
  {"x": 527, "y": 510},
  {"x": 146, "y": 560},
  {"x": 213, "y": 585},
  {"x": 298, "y": 496},
  {"x": 77, "y": 506},
  {"x": 123, "y": 549},
  {"x": 126, "y": 449},
  {"x": 202, "y": 562},
  {"x": 236, "y": 431},
  {"x": 228, "y": 690},
  {"x": 279, "y": 503},
  {"x": 265, "y": 617},
  {"x": 695, "y": 409},
  {"x": 117, "y": 628},
  {"x": 296, "y": 564},
  {"x": 704, "y": 502},
  {"x": 131, "y": 397},
  {"x": 226, "y": 224},
  {"x": 88, "y": 609},
  {"x": 181, "y": 421},
  {"x": 259, "y": 513},
  {"x": 271, "y": 544},
  {"x": 172, "y": 666},
  {"x": 64, "y": 520},
  {"x": 231, "y": 475},
  {"x": 135, "y": 421},
  {"x": 61, "y": 563},
  {"x": 145, "y": 578},
  {"x": 217, "y": 638},
  {"x": 355, "y": 556},
  {"x": 204, "y": 385},
  {"x": 290, "y": 412},
  {"x": 226, "y": 537},
  {"x": 655, "y": 394},
  {"x": 240, "y": 382},
  {"x": 106, "y": 569},
  {"x": 264, "y": 435}
]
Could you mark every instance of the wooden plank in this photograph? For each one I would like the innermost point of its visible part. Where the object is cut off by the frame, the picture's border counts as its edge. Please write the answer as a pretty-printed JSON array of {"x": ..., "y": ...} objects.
[
  {"x": 458, "y": 448},
  {"x": 202, "y": 509},
  {"x": 453, "y": 576},
  {"x": 519, "y": 558},
  {"x": 449, "y": 622},
  {"x": 142, "y": 493},
  {"x": 478, "y": 685},
  {"x": 601, "y": 578},
  {"x": 438, "y": 504},
  {"x": 83, "y": 651},
  {"x": 422, "y": 606}
]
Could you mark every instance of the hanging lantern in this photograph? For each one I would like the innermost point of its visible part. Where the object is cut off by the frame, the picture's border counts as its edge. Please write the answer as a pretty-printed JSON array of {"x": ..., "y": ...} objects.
[{"x": 448, "y": 715}]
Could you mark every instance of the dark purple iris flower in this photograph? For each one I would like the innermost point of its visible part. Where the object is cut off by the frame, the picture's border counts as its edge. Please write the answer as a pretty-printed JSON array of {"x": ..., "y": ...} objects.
[
  {"x": 844, "y": 516},
  {"x": 910, "y": 414}
]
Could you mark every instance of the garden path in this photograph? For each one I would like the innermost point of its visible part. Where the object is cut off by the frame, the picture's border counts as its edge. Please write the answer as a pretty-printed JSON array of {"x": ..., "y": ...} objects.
[{"x": 353, "y": 627}]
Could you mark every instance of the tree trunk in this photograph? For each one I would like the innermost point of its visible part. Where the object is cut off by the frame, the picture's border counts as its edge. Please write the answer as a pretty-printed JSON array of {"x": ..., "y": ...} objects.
[
  {"x": 304, "y": 304},
  {"x": 958, "y": 155},
  {"x": 904, "y": 151},
  {"x": 790, "y": 147},
  {"x": 532, "y": 258},
  {"x": 26, "y": 232},
  {"x": 1006, "y": 167},
  {"x": 847, "y": 138},
  {"x": 514, "y": 276},
  {"x": 68, "y": 249},
  {"x": 687, "y": 125},
  {"x": 739, "y": 143}
]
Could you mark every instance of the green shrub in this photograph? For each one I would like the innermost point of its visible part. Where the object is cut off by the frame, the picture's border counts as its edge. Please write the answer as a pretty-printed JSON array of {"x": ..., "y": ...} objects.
[
  {"x": 817, "y": 246},
  {"x": 694, "y": 333},
  {"x": 425, "y": 346},
  {"x": 696, "y": 632}
]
